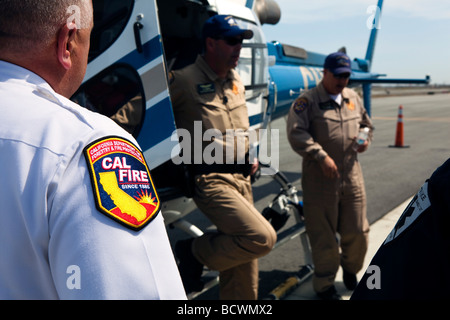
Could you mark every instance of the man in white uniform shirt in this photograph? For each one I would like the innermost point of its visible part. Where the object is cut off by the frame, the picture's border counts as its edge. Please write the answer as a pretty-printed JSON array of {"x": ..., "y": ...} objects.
[{"x": 67, "y": 229}]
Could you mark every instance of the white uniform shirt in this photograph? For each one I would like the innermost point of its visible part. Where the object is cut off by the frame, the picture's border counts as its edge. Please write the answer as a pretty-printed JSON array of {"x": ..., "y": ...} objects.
[{"x": 54, "y": 243}]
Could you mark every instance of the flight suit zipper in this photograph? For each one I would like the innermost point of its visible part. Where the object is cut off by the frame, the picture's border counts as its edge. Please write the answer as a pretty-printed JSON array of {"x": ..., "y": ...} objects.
[
  {"x": 342, "y": 160},
  {"x": 225, "y": 102}
]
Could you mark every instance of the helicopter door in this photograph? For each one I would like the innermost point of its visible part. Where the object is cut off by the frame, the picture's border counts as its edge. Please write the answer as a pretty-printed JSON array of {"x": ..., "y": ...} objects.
[{"x": 126, "y": 77}]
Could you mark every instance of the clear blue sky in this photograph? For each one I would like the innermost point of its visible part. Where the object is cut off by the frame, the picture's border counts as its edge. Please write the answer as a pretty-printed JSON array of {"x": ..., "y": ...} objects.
[{"x": 413, "y": 40}]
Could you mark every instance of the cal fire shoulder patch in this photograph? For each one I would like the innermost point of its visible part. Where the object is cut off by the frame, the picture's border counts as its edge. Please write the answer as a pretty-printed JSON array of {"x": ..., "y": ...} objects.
[
  {"x": 300, "y": 105},
  {"x": 121, "y": 181}
]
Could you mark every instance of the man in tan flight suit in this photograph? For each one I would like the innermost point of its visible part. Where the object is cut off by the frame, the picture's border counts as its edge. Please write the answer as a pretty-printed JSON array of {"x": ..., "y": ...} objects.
[
  {"x": 321, "y": 127},
  {"x": 210, "y": 95}
]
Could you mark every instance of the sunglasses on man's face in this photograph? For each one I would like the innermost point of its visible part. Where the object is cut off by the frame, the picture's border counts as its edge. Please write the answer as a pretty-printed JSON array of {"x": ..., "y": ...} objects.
[
  {"x": 231, "y": 41},
  {"x": 342, "y": 75}
]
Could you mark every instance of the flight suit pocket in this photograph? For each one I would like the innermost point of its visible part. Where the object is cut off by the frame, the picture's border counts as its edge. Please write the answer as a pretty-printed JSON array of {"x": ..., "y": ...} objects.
[
  {"x": 239, "y": 116},
  {"x": 327, "y": 127},
  {"x": 315, "y": 184},
  {"x": 351, "y": 127},
  {"x": 215, "y": 116}
]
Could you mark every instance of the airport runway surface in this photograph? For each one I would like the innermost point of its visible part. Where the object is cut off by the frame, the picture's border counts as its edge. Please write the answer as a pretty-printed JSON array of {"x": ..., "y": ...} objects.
[{"x": 392, "y": 175}]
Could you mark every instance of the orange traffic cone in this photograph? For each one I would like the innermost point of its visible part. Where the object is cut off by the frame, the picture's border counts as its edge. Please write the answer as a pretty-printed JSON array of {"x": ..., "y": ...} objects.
[{"x": 399, "y": 132}]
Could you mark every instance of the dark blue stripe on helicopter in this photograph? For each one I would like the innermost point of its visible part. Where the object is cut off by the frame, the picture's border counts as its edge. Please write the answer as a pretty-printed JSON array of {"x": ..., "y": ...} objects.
[
  {"x": 280, "y": 111},
  {"x": 159, "y": 125},
  {"x": 249, "y": 4},
  {"x": 256, "y": 119},
  {"x": 151, "y": 51}
]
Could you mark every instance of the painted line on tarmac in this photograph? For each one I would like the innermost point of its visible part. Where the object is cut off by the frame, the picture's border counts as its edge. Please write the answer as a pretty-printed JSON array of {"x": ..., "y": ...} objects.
[{"x": 418, "y": 119}]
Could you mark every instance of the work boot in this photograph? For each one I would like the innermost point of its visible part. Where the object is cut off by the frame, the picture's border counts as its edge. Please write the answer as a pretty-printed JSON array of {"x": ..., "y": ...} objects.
[
  {"x": 329, "y": 294},
  {"x": 350, "y": 280},
  {"x": 190, "y": 268}
]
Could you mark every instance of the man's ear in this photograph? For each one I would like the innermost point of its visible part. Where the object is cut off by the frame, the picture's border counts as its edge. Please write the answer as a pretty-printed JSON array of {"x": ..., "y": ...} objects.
[
  {"x": 209, "y": 43},
  {"x": 65, "y": 44}
]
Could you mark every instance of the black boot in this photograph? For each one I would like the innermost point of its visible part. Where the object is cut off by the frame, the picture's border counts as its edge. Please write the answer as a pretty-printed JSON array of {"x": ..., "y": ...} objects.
[
  {"x": 329, "y": 294},
  {"x": 190, "y": 268},
  {"x": 350, "y": 280}
]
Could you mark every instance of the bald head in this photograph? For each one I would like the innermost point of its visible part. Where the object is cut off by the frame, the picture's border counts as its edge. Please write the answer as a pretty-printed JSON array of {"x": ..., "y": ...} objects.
[
  {"x": 29, "y": 24},
  {"x": 48, "y": 37}
]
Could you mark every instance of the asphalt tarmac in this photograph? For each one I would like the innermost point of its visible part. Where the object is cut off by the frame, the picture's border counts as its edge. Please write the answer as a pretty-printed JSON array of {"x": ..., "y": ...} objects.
[{"x": 392, "y": 175}]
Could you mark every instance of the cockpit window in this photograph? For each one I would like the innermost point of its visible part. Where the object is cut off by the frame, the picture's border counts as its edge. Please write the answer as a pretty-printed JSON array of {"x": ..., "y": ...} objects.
[
  {"x": 253, "y": 56},
  {"x": 110, "y": 19}
]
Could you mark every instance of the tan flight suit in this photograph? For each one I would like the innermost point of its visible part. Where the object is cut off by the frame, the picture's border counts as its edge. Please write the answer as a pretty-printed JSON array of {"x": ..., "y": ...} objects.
[
  {"x": 225, "y": 198},
  {"x": 317, "y": 126}
]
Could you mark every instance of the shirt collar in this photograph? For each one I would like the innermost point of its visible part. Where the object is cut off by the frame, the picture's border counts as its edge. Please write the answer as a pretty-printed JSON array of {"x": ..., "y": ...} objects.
[
  {"x": 324, "y": 96},
  {"x": 13, "y": 73}
]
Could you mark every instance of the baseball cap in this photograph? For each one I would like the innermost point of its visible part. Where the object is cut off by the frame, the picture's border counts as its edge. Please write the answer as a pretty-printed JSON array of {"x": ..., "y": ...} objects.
[
  {"x": 338, "y": 63},
  {"x": 224, "y": 26}
]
